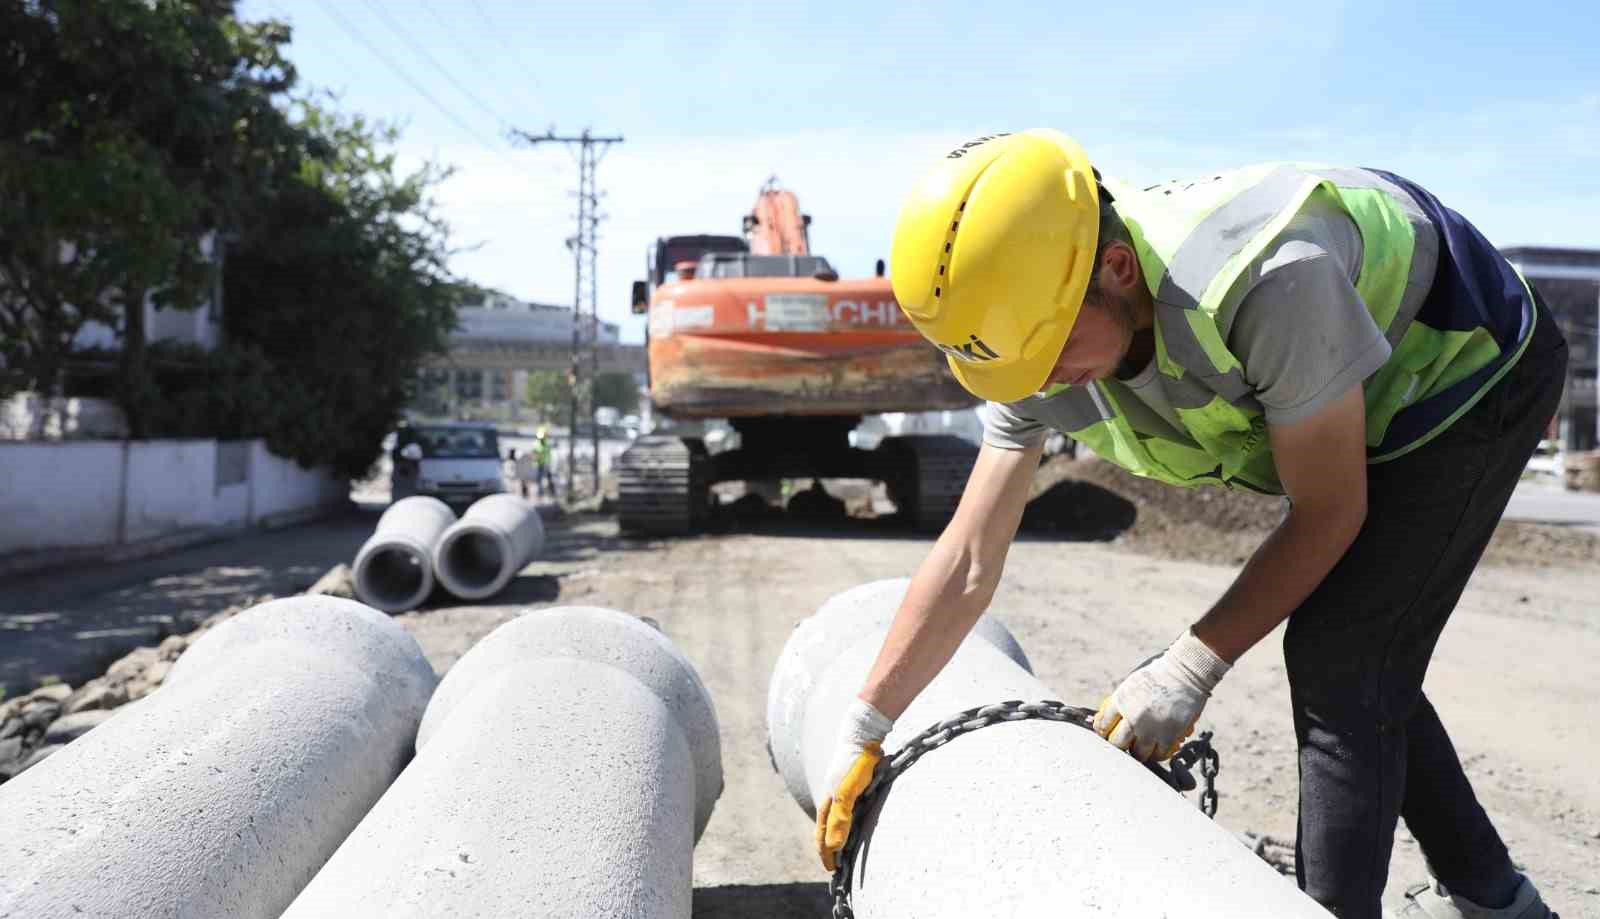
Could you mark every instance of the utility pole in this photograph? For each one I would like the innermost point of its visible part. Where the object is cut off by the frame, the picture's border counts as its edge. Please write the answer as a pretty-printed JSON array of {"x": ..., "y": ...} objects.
[{"x": 585, "y": 302}]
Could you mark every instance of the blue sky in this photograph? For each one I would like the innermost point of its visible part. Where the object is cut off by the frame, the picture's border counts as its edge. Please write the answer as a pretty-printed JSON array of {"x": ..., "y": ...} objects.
[{"x": 1495, "y": 108}]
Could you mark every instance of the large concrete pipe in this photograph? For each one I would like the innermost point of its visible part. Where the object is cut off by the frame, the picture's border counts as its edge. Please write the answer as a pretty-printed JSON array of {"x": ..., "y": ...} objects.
[
  {"x": 1031, "y": 818},
  {"x": 565, "y": 768},
  {"x": 222, "y": 793},
  {"x": 394, "y": 569},
  {"x": 480, "y": 553}
]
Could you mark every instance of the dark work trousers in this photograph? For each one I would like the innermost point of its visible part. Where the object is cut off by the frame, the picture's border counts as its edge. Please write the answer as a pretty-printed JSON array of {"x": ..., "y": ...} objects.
[{"x": 1372, "y": 748}]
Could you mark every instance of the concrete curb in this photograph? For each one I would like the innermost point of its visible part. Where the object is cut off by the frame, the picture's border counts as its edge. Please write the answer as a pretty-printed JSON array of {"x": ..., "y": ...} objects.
[
  {"x": 223, "y": 792},
  {"x": 558, "y": 774},
  {"x": 1030, "y": 818}
]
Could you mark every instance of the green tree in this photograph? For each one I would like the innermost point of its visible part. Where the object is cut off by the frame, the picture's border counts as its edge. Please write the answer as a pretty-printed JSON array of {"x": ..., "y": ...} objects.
[
  {"x": 130, "y": 131},
  {"x": 617, "y": 390},
  {"x": 549, "y": 393},
  {"x": 341, "y": 284}
]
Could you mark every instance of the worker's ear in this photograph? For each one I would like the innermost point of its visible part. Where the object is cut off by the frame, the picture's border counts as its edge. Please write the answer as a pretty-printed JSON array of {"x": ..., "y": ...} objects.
[{"x": 1119, "y": 268}]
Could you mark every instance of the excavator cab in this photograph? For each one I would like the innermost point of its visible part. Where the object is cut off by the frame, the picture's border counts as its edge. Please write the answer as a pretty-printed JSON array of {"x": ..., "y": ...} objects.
[
  {"x": 671, "y": 250},
  {"x": 719, "y": 265}
]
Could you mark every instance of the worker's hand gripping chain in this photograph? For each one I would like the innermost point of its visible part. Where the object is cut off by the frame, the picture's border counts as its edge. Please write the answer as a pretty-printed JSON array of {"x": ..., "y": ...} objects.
[
  {"x": 857, "y": 773},
  {"x": 1156, "y": 706},
  {"x": 855, "y": 756}
]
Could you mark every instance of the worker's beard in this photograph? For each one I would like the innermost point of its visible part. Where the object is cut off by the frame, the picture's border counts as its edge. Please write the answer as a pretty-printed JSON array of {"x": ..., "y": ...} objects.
[{"x": 1123, "y": 312}]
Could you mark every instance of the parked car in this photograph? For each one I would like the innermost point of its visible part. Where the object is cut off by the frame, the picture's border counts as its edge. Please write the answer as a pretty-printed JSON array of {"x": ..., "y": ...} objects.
[{"x": 456, "y": 463}]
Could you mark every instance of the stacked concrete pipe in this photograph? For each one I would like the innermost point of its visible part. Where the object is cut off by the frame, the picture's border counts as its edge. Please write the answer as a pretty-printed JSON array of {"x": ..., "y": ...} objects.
[
  {"x": 222, "y": 793},
  {"x": 394, "y": 569},
  {"x": 565, "y": 768},
  {"x": 480, "y": 553},
  {"x": 1031, "y": 818}
]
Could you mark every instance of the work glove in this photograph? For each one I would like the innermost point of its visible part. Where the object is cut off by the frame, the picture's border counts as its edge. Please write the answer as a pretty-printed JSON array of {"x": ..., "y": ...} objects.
[
  {"x": 855, "y": 756},
  {"x": 1156, "y": 706}
]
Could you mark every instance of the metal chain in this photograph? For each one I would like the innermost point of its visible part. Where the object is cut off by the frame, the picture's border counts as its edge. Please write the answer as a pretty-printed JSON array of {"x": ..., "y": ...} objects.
[{"x": 936, "y": 735}]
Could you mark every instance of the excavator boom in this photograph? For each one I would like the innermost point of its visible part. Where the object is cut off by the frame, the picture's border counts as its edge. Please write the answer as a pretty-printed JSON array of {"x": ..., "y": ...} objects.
[{"x": 775, "y": 225}]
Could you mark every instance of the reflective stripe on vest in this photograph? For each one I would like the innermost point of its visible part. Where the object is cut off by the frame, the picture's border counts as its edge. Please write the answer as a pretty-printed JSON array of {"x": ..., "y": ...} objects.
[{"x": 1194, "y": 240}]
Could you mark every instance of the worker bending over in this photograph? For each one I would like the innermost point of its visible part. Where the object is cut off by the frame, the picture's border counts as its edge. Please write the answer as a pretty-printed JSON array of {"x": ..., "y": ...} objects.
[{"x": 1334, "y": 335}]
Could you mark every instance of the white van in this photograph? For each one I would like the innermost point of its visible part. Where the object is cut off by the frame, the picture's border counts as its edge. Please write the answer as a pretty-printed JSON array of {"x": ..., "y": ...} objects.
[{"x": 456, "y": 463}]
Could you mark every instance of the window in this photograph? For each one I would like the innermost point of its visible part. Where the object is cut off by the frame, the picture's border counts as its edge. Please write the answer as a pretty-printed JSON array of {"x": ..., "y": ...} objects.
[{"x": 469, "y": 385}]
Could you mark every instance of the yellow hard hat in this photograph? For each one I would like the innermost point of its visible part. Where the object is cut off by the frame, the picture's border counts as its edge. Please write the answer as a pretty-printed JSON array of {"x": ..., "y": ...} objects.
[{"x": 992, "y": 255}]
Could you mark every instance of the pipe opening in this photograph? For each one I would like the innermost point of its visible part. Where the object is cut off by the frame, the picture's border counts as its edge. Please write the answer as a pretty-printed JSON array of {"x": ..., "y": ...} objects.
[
  {"x": 474, "y": 560},
  {"x": 394, "y": 577}
]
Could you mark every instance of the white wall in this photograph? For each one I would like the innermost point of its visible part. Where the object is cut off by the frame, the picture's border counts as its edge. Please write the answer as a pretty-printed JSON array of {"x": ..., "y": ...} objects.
[
  {"x": 103, "y": 493},
  {"x": 196, "y": 327},
  {"x": 59, "y": 494},
  {"x": 283, "y": 486},
  {"x": 170, "y": 486}
]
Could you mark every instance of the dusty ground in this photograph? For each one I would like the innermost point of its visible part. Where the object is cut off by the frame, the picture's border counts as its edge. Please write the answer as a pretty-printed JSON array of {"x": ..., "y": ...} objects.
[{"x": 1515, "y": 676}]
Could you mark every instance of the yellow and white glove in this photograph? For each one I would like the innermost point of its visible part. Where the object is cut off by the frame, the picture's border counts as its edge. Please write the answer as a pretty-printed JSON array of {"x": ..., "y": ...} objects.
[
  {"x": 855, "y": 756},
  {"x": 1156, "y": 706}
]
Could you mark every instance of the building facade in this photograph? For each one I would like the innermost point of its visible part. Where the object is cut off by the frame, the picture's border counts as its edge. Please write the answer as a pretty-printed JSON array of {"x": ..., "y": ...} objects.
[
  {"x": 1568, "y": 280},
  {"x": 497, "y": 342}
]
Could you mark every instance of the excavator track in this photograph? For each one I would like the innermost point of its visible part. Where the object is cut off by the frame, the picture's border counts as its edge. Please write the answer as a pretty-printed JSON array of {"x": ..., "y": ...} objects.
[
  {"x": 660, "y": 487},
  {"x": 932, "y": 472}
]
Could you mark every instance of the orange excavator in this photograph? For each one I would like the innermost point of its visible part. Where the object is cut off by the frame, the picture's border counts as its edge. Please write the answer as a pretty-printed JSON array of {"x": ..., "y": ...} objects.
[{"x": 760, "y": 331}]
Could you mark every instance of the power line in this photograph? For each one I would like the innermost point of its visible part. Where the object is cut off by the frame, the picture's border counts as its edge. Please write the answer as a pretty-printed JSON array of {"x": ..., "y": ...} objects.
[
  {"x": 501, "y": 38},
  {"x": 434, "y": 62},
  {"x": 468, "y": 53},
  {"x": 332, "y": 8},
  {"x": 585, "y": 299}
]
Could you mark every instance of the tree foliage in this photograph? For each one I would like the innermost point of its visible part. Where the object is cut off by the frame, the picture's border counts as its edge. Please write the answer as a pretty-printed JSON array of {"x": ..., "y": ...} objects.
[
  {"x": 342, "y": 286},
  {"x": 143, "y": 130},
  {"x": 550, "y": 394},
  {"x": 131, "y": 132},
  {"x": 617, "y": 390}
]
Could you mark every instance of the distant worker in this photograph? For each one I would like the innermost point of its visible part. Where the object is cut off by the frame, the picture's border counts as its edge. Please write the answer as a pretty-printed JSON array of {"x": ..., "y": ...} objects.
[
  {"x": 544, "y": 477},
  {"x": 1333, "y": 335}
]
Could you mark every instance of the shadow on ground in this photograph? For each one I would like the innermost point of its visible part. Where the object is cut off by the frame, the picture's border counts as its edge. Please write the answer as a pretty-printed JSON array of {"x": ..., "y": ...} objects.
[
  {"x": 73, "y": 623},
  {"x": 522, "y": 589},
  {"x": 1071, "y": 511},
  {"x": 762, "y": 901}
]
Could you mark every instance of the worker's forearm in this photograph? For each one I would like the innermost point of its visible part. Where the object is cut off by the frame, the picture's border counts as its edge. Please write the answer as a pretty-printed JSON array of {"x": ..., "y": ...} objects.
[
  {"x": 946, "y": 596},
  {"x": 1279, "y": 576}
]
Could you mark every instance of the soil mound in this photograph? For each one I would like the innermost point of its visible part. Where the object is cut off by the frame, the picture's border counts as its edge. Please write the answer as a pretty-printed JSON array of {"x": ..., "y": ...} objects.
[{"x": 1216, "y": 525}]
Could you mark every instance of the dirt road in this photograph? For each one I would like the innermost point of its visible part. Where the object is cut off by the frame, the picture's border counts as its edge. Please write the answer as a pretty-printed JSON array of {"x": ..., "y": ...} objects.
[{"x": 1515, "y": 679}]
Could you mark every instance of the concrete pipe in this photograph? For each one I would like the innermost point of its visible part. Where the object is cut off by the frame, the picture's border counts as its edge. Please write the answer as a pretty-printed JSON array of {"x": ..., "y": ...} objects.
[
  {"x": 1031, "y": 818},
  {"x": 394, "y": 569},
  {"x": 479, "y": 554},
  {"x": 222, "y": 793},
  {"x": 565, "y": 768}
]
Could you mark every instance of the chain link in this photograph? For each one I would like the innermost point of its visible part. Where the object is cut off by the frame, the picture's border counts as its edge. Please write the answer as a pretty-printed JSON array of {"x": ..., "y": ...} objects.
[{"x": 936, "y": 735}]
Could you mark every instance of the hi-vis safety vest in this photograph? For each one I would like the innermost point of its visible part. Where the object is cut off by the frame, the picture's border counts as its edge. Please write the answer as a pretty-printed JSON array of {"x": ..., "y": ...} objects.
[{"x": 1195, "y": 239}]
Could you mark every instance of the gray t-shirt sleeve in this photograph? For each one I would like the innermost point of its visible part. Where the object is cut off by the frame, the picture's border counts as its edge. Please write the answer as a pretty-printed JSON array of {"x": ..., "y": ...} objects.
[
  {"x": 1009, "y": 429},
  {"x": 1302, "y": 331}
]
